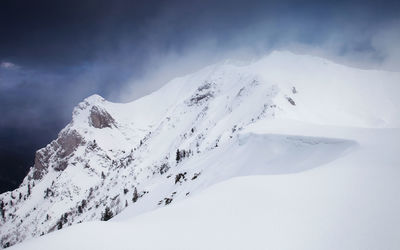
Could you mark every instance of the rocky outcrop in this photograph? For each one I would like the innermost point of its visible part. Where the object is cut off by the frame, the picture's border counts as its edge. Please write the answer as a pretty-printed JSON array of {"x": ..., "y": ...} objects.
[
  {"x": 42, "y": 157},
  {"x": 203, "y": 93},
  {"x": 61, "y": 149},
  {"x": 68, "y": 142},
  {"x": 99, "y": 118}
]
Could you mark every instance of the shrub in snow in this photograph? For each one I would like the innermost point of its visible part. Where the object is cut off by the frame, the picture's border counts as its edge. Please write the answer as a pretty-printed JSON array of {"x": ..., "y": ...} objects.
[
  {"x": 179, "y": 177},
  {"x": 108, "y": 214}
]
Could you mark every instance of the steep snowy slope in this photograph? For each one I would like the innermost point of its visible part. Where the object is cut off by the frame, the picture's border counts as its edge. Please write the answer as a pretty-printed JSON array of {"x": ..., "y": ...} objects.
[
  {"x": 349, "y": 203},
  {"x": 198, "y": 130}
]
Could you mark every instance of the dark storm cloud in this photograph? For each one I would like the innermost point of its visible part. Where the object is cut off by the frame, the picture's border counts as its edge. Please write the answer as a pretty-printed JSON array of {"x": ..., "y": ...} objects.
[
  {"x": 51, "y": 34},
  {"x": 66, "y": 50},
  {"x": 55, "y": 53},
  {"x": 59, "y": 33}
]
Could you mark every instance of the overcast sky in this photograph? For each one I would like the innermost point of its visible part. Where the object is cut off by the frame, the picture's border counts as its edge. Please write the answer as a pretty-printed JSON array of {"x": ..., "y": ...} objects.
[{"x": 55, "y": 53}]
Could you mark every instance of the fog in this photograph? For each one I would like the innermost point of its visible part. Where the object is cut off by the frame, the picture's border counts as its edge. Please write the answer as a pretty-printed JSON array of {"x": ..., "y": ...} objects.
[{"x": 53, "y": 55}]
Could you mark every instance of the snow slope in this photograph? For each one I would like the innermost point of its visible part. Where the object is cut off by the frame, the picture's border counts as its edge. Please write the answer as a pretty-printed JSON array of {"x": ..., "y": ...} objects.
[
  {"x": 349, "y": 203},
  {"x": 313, "y": 146}
]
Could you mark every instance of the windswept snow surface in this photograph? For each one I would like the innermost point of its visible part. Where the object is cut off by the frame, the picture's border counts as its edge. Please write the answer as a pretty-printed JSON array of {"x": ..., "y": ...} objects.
[
  {"x": 351, "y": 202},
  {"x": 289, "y": 152}
]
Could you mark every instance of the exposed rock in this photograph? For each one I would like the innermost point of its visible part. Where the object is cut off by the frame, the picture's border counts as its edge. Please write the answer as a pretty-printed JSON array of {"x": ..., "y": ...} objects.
[
  {"x": 41, "y": 163},
  {"x": 203, "y": 94},
  {"x": 61, "y": 165},
  {"x": 68, "y": 142},
  {"x": 99, "y": 118},
  {"x": 198, "y": 98},
  {"x": 61, "y": 148}
]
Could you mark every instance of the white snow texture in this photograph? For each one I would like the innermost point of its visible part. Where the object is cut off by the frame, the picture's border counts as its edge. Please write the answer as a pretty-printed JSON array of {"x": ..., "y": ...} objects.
[{"x": 288, "y": 152}]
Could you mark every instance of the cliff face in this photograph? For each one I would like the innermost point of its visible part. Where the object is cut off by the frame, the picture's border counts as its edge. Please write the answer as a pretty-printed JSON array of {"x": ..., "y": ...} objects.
[
  {"x": 112, "y": 156},
  {"x": 57, "y": 152},
  {"x": 99, "y": 118}
]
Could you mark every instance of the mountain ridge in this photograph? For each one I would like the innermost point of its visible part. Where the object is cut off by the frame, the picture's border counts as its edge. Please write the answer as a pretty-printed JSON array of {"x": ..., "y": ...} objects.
[{"x": 158, "y": 149}]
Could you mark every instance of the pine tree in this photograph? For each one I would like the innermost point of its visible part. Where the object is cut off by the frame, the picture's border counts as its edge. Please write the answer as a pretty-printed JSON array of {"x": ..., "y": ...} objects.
[
  {"x": 47, "y": 192},
  {"x": 65, "y": 218},
  {"x": 108, "y": 214},
  {"x": 2, "y": 210},
  {"x": 178, "y": 155},
  {"x": 135, "y": 195},
  {"x": 103, "y": 176},
  {"x": 84, "y": 203},
  {"x": 29, "y": 189}
]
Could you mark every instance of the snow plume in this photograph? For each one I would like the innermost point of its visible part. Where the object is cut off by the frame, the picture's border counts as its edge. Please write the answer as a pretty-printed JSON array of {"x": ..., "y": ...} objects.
[{"x": 360, "y": 44}]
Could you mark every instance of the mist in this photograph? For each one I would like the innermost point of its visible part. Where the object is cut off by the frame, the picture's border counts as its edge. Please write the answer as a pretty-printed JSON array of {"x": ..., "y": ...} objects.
[{"x": 53, "y": 55}]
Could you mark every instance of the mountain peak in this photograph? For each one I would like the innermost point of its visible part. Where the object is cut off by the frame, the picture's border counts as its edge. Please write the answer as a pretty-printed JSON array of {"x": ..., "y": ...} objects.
[
  {"x": 94, "y": 99},
  {"x": 178, "y": 140}
]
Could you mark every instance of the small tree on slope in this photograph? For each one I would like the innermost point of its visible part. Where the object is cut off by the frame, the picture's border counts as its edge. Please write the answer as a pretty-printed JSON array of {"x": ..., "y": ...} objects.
[
  {"x": 108, "y": 214},
  {"x": 135, "y": 195}
]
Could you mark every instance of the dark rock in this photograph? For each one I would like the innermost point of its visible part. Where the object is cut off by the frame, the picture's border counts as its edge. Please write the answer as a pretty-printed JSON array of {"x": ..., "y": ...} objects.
[
  {"x": 68, "y": 142},
  {"x": 198, "y": 98},
  {"x": 202, "y": 94},
  {"x": 99, "y": 118},
  {"x": 42, "y": 157},
  {"x": 61, "y": 149},
  {"x": 164, "y": 168}
]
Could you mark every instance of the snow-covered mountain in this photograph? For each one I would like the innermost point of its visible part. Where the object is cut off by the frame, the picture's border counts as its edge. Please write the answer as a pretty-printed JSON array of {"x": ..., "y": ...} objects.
[{"x": 311, "y": 135}]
